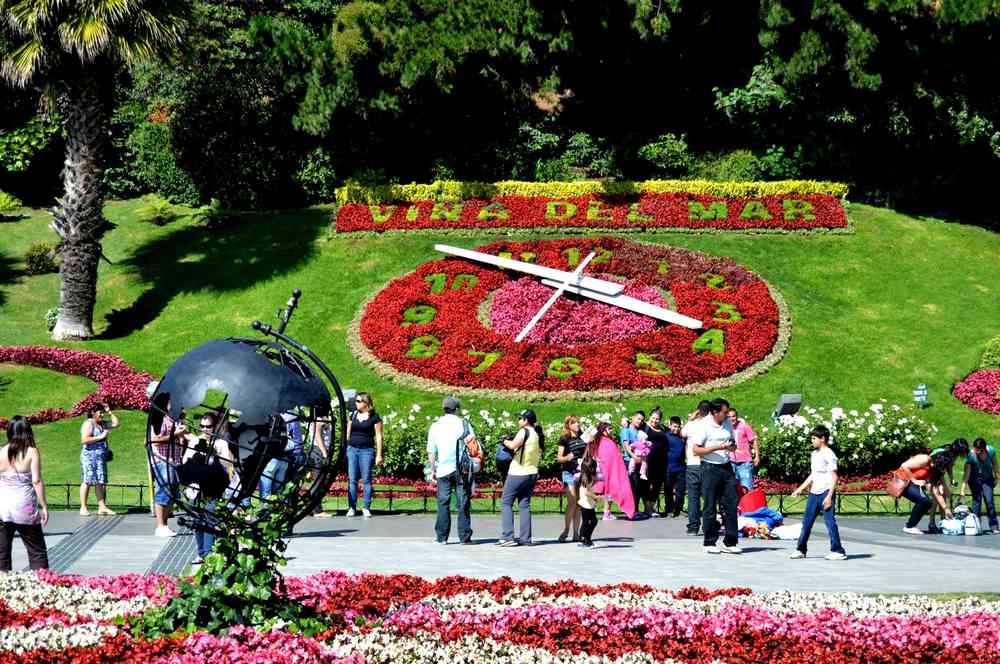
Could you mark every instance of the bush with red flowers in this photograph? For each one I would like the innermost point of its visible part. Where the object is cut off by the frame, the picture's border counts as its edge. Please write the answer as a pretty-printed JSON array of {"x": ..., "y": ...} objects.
[
  {"x": 423, "y": 328},
  {"x": 981, "y": 390},
  {"x": 644, "y": 211},
  {"x": 119, "y": 385}
]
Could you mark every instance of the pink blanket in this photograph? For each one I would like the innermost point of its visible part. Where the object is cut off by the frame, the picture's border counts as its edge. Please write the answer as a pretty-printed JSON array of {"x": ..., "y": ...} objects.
[{"x": 615, "y": 485}]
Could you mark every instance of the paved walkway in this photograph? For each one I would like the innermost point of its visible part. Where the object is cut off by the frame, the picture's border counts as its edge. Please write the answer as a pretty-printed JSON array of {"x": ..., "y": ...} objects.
[{"x": 657, "y": 552}]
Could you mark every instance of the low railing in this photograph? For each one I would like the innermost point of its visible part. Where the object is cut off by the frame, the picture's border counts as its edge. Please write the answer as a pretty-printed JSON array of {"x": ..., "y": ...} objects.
[{"x": 416, "y": 499}]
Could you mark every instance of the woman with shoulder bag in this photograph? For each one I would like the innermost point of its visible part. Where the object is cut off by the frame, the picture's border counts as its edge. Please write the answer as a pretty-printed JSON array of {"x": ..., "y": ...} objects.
[
  {"x": 94, "y": 456},
  {"x": 527, "y": 445},
  {"x": 364, "y": 450},
  {"x": 568, "y": 454},
  {"x": 922, "y": 474}
]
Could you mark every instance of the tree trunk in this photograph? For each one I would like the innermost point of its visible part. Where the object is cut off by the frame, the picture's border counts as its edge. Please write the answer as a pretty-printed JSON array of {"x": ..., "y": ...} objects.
[{"x": 78, "y": 218}]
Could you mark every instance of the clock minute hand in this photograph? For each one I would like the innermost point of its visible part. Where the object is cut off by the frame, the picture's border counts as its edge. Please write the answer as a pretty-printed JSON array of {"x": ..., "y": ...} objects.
[
  {"x": 586, "y": 283},
  {"x": 632, "y": 304}
]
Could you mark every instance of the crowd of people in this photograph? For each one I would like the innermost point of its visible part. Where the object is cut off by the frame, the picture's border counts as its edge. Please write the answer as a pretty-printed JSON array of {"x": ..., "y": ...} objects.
[{"x": 700, "y": 464}]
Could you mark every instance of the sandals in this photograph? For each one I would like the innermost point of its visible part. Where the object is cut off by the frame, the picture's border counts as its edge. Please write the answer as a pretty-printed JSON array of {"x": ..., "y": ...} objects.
[
  {"x": 504, "y": 542},
  {"x": 562, "y": 537},
  {"x": 323, "y": 515},
  {"x": 106, "y": 513}
]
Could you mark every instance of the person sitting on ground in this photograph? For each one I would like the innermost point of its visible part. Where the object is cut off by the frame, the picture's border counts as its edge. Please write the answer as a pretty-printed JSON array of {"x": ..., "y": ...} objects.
[
  {"x": 822, "y": 482},
  {"x": 924, "y": 475},
  {"x": 22, "y": 496},
  {"x": 981, "y": 474}
]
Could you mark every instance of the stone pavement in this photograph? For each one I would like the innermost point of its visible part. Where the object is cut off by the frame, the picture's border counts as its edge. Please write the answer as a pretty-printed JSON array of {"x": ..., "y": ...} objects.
[{"x": 881, "y": 557}]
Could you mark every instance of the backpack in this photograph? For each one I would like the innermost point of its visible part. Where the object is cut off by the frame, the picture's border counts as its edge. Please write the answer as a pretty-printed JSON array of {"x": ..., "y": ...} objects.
[
  {"x": 465, "y": 462},
  {"x": 505, "y": 455}
]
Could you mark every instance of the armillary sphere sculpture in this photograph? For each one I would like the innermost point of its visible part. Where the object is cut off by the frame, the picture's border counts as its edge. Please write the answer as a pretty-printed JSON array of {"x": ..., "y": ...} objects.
[{"x": 247, "y": 425}]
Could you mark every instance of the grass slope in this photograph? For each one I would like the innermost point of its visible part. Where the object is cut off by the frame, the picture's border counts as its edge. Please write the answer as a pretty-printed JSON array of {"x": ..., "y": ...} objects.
[{"x": 900, "y": 302}]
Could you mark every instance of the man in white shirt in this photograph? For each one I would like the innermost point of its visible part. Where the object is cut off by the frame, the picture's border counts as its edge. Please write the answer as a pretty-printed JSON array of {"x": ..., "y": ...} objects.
[
  {"x": 692, "y": 475},
  {"x": 713, "y": 442},
  {"x": 443, "y": 439}
]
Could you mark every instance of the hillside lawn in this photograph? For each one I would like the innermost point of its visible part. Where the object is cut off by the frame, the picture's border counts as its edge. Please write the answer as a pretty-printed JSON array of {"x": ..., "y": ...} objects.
[{"x": 900, "y": 302}]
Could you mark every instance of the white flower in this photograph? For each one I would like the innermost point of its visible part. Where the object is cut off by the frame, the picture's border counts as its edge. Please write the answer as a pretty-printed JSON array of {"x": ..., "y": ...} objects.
[
  {"x": 415, "y": 408},
  {"x": 411, "y": 418},
  {"x": 903, "y": 420},
  {"x": 837, "y": 413},
  {"x": 851, "y": 435},
  {"x": 402, "y": 425},
  {"x": 895, "y": 407},
  {"x": 876, "y": 407},
  {"x": 485, "y": 414},
  {"x": 853, "y": 413},
  {"x": 871, "y": 428},
  {"x": 909, "y": 436}
]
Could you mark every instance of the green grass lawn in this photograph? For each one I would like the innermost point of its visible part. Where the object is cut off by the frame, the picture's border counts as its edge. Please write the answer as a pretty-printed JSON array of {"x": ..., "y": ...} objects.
[{"x": 900, "y": 302}]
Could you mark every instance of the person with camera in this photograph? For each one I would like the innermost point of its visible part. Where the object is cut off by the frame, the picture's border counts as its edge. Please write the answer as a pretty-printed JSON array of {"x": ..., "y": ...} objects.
[
  {"x": 713, "y": 443},
  {"x": 568, "y": 454},
  {"x": 444, "y": 437},
  {"x": 527, "y": 446},
  {"x": 94, "y": 456},
  {"x": 207, "y": 459},
  {"x": 166, "y": 444}
]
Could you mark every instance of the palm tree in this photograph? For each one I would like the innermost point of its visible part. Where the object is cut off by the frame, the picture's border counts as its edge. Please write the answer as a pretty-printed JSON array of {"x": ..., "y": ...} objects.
[{"x": 71, "y": 51}]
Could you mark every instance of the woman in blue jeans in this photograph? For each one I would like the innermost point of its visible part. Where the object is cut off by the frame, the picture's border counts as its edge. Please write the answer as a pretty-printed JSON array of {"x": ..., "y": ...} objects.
[
  {"x": 981, "y": 472},
  {"x": 364, "y": 450},
  {"x": 925, "y": 473}
]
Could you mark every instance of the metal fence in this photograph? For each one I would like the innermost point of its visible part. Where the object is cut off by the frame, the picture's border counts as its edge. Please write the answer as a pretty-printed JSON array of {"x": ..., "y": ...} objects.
[{"x": 486, "y": 500}]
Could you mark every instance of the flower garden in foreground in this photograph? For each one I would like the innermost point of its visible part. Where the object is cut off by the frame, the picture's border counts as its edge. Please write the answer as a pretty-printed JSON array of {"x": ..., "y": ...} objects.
[{"x": 373, "y": 618}]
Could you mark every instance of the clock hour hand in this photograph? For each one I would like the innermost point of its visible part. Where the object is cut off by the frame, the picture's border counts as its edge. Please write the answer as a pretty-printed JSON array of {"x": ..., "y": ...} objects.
[{"x": 586, "y": 283}]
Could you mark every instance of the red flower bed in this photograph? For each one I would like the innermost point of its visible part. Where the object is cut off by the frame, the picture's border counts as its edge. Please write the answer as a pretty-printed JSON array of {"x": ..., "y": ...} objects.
[
  {"x": 981, "y": 390},
  {"x": 119, "y": 385},
  {"x": 425, "y": 323},
  {"x": 646, "y": 210}
]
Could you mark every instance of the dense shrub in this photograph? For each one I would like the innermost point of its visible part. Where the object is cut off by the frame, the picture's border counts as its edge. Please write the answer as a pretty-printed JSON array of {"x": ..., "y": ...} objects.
[
  {"x": 40, "y": 259},
  {"x": 8, "y": 203},
  {"x": 317, "y": 177},
  {"x": 155, "y": 165},
  {"x": 668, "y": 155},
  {"x": 739, "y": 165},
  {"x": 991, "y": 356},
  {"x": 872, "y": 441}
]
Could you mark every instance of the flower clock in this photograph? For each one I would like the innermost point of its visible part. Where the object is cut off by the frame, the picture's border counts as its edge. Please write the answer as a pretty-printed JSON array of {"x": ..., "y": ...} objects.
[{"x": 524, "y": 320}]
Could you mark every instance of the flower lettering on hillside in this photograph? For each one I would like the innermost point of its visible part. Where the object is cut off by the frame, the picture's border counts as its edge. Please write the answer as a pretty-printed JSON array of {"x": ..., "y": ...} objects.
[{"x": 642, "y": 210}]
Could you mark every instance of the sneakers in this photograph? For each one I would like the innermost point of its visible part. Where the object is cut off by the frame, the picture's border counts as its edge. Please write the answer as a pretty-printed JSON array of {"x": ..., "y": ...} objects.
[
  {"x": 913, "y": 531},
  {"x": 608, "y": 516},
  {"x": 655, "y": 515},
  {"x": 835, "y": 555},
  {"x": 350, "y": 512},
  {"x": 796, "y": 555},
  {"x": 730, "y": 549},
  {"x": 712, "y": 549},
  {"x": 164, "y": 531},
  {"x": 367, "y": 513}
]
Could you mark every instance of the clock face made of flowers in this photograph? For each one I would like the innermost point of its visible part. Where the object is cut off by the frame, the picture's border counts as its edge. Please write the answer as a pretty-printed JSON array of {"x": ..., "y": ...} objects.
[{"x": 450, "y": 326}]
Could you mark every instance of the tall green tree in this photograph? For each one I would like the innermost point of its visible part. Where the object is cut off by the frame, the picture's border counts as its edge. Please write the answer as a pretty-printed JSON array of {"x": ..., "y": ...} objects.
[{"x": 71, "y": 52}]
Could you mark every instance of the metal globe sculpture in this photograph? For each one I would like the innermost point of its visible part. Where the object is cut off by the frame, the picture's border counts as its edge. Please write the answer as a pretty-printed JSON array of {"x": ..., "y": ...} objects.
[{"x": 254, "y": 425}]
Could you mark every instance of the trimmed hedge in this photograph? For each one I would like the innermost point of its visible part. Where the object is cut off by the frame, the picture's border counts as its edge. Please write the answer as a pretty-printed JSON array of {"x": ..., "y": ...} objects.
[
  {"x": 452, "y": 190},
  {"x": 991, "y": 356}
]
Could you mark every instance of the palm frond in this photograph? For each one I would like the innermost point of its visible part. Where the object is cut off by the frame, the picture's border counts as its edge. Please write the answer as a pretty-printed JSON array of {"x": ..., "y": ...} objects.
[
  {"x": 20, "y": 65},
  {"x": 86, "y": 36}
]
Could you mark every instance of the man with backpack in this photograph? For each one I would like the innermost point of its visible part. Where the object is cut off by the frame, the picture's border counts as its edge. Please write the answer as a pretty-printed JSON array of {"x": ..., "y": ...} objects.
[{"x": 454, "y": 457}]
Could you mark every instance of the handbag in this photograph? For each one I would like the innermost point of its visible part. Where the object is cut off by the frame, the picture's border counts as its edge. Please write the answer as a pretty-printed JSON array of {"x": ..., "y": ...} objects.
[
  {"x": 897, "y": 485},
  {"x": 109, "y": 456}
]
